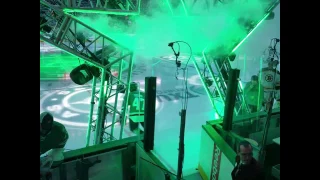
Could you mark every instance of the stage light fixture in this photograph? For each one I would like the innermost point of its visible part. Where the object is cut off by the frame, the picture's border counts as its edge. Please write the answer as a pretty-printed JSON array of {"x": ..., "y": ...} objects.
[
  {"x": 232, "y": 57},
  {"x": 84, "y": 73},
  {"x": 81, "y": 38},
  {"x": 270, "y": 16},
  {"x": 121, "y": 88},
  {"x": 105, "y": 52},
  {"x": 45, "y": 28},
  {"x": 208, "y": 81}
]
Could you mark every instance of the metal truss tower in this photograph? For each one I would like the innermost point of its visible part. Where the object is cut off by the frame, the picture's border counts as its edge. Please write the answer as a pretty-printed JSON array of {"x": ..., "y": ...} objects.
[
  {"x": 217, "y": 65},
  {"x": 62, "y": 29},
  {"x": 117, "y": 7}
]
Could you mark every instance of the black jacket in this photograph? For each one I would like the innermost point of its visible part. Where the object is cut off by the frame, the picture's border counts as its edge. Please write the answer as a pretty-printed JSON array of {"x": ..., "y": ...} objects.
[{"x": 252, "y": 171}]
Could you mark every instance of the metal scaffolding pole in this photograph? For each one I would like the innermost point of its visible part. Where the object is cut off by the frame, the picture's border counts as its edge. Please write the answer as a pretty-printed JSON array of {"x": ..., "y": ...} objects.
[
  {"x": 92, "y": 102},
  {"x": 61, "y": 29},
  {"x": 127, "y": 7},
  {"x": 100, "y": 116},
  {"x": 123, "y": 113},
  {"x": 230, "y": 99},
  {"x": 116, "y": 99}
]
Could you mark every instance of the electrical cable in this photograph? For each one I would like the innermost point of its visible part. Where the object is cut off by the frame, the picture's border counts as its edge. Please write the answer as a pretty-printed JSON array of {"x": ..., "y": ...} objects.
[{"x": 163, "y": 170}]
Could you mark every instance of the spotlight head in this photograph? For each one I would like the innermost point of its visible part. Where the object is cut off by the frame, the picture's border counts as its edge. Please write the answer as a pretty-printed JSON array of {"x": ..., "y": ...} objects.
[
  {"x": 270, "y": 16},
  {"x": 108, "y": 50},
  {"x": 171, "y": 44},
  {"x": 45, "y": 28},
  {"x": 105, "y": 52},
  {"x": 121, "y": 88},
  {"x": 216, "y": 93},
  {"x": 84, "y": 73},
  {"x": 167, "y": 176},
  {"x": 208, "y": 81},
  {"x": 232, "y": 57},
  {"x": 246, "y": 23},
  {"x": 133, "y": 86},
  {"x": 178, "y": 63},
  {"x": 81, "y": 38}
]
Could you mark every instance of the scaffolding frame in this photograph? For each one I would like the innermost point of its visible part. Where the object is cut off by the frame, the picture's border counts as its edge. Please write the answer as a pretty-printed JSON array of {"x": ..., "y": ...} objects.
[
  {"x": 117, "y": 7},
  {"x": 218, "y": 68},
  {"x": 73, "y": 36}
]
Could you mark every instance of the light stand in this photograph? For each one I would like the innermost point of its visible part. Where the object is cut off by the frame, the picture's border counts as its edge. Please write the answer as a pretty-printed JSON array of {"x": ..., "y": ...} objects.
[
  {"x": 182, "y": 114},
  {"x": 92, "y": 102},
  {"x": 269, "y": 114},
  {"x": 181, "y": 143},
  {"x": 269, "y": 110}
]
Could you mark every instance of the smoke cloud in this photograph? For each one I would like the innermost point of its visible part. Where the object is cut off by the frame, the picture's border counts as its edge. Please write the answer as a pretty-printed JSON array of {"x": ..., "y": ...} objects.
[{"x": 204, "y": 25}]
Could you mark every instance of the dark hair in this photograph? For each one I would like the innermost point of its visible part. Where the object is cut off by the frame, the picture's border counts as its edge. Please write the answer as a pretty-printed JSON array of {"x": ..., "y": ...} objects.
[
  {"x": 254, "y": 78},
  {"x": 46, "y": 120},
  {"x": 133, "y": 86},
  {"x": 244, "y": 143}
]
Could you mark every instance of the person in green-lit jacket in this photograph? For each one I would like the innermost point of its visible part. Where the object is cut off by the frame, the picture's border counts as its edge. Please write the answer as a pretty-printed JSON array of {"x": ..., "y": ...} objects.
[
  {"x": 253, "y": 94},
  {"x": 136, "y": 108}
]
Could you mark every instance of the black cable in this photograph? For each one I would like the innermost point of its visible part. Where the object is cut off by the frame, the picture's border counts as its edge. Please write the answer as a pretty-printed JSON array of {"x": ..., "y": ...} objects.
[
  {"x": 185, "y": 96},
  {"x": 176, "y": 54},
  {"x": 166, "y": 171},
  {"x": 178, "y": 49},
  {"x": 274, "y": 48},
  {"x": 189, "y": 48},
  {"x": 184, "y": 69}
]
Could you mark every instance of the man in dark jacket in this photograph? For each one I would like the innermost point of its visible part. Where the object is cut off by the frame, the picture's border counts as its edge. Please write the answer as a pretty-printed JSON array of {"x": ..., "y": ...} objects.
[
  {"x": 247, "y": 168},
  {"x": 53, "y": 137}
]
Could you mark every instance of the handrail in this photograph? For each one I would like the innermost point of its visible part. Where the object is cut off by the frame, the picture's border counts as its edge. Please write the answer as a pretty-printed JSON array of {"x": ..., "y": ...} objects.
[
  {"x": 94, "y": 150},
  {"x": 241, "y": 118}
]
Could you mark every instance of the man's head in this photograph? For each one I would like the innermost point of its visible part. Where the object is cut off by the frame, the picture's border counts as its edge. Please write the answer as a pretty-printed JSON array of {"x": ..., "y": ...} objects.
[
  {"x": 254, "y": 79},
  {"x": 245, "y": 152},
  {"x": 46, "y": 122},
  {"x": 133, "y": 86}
]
